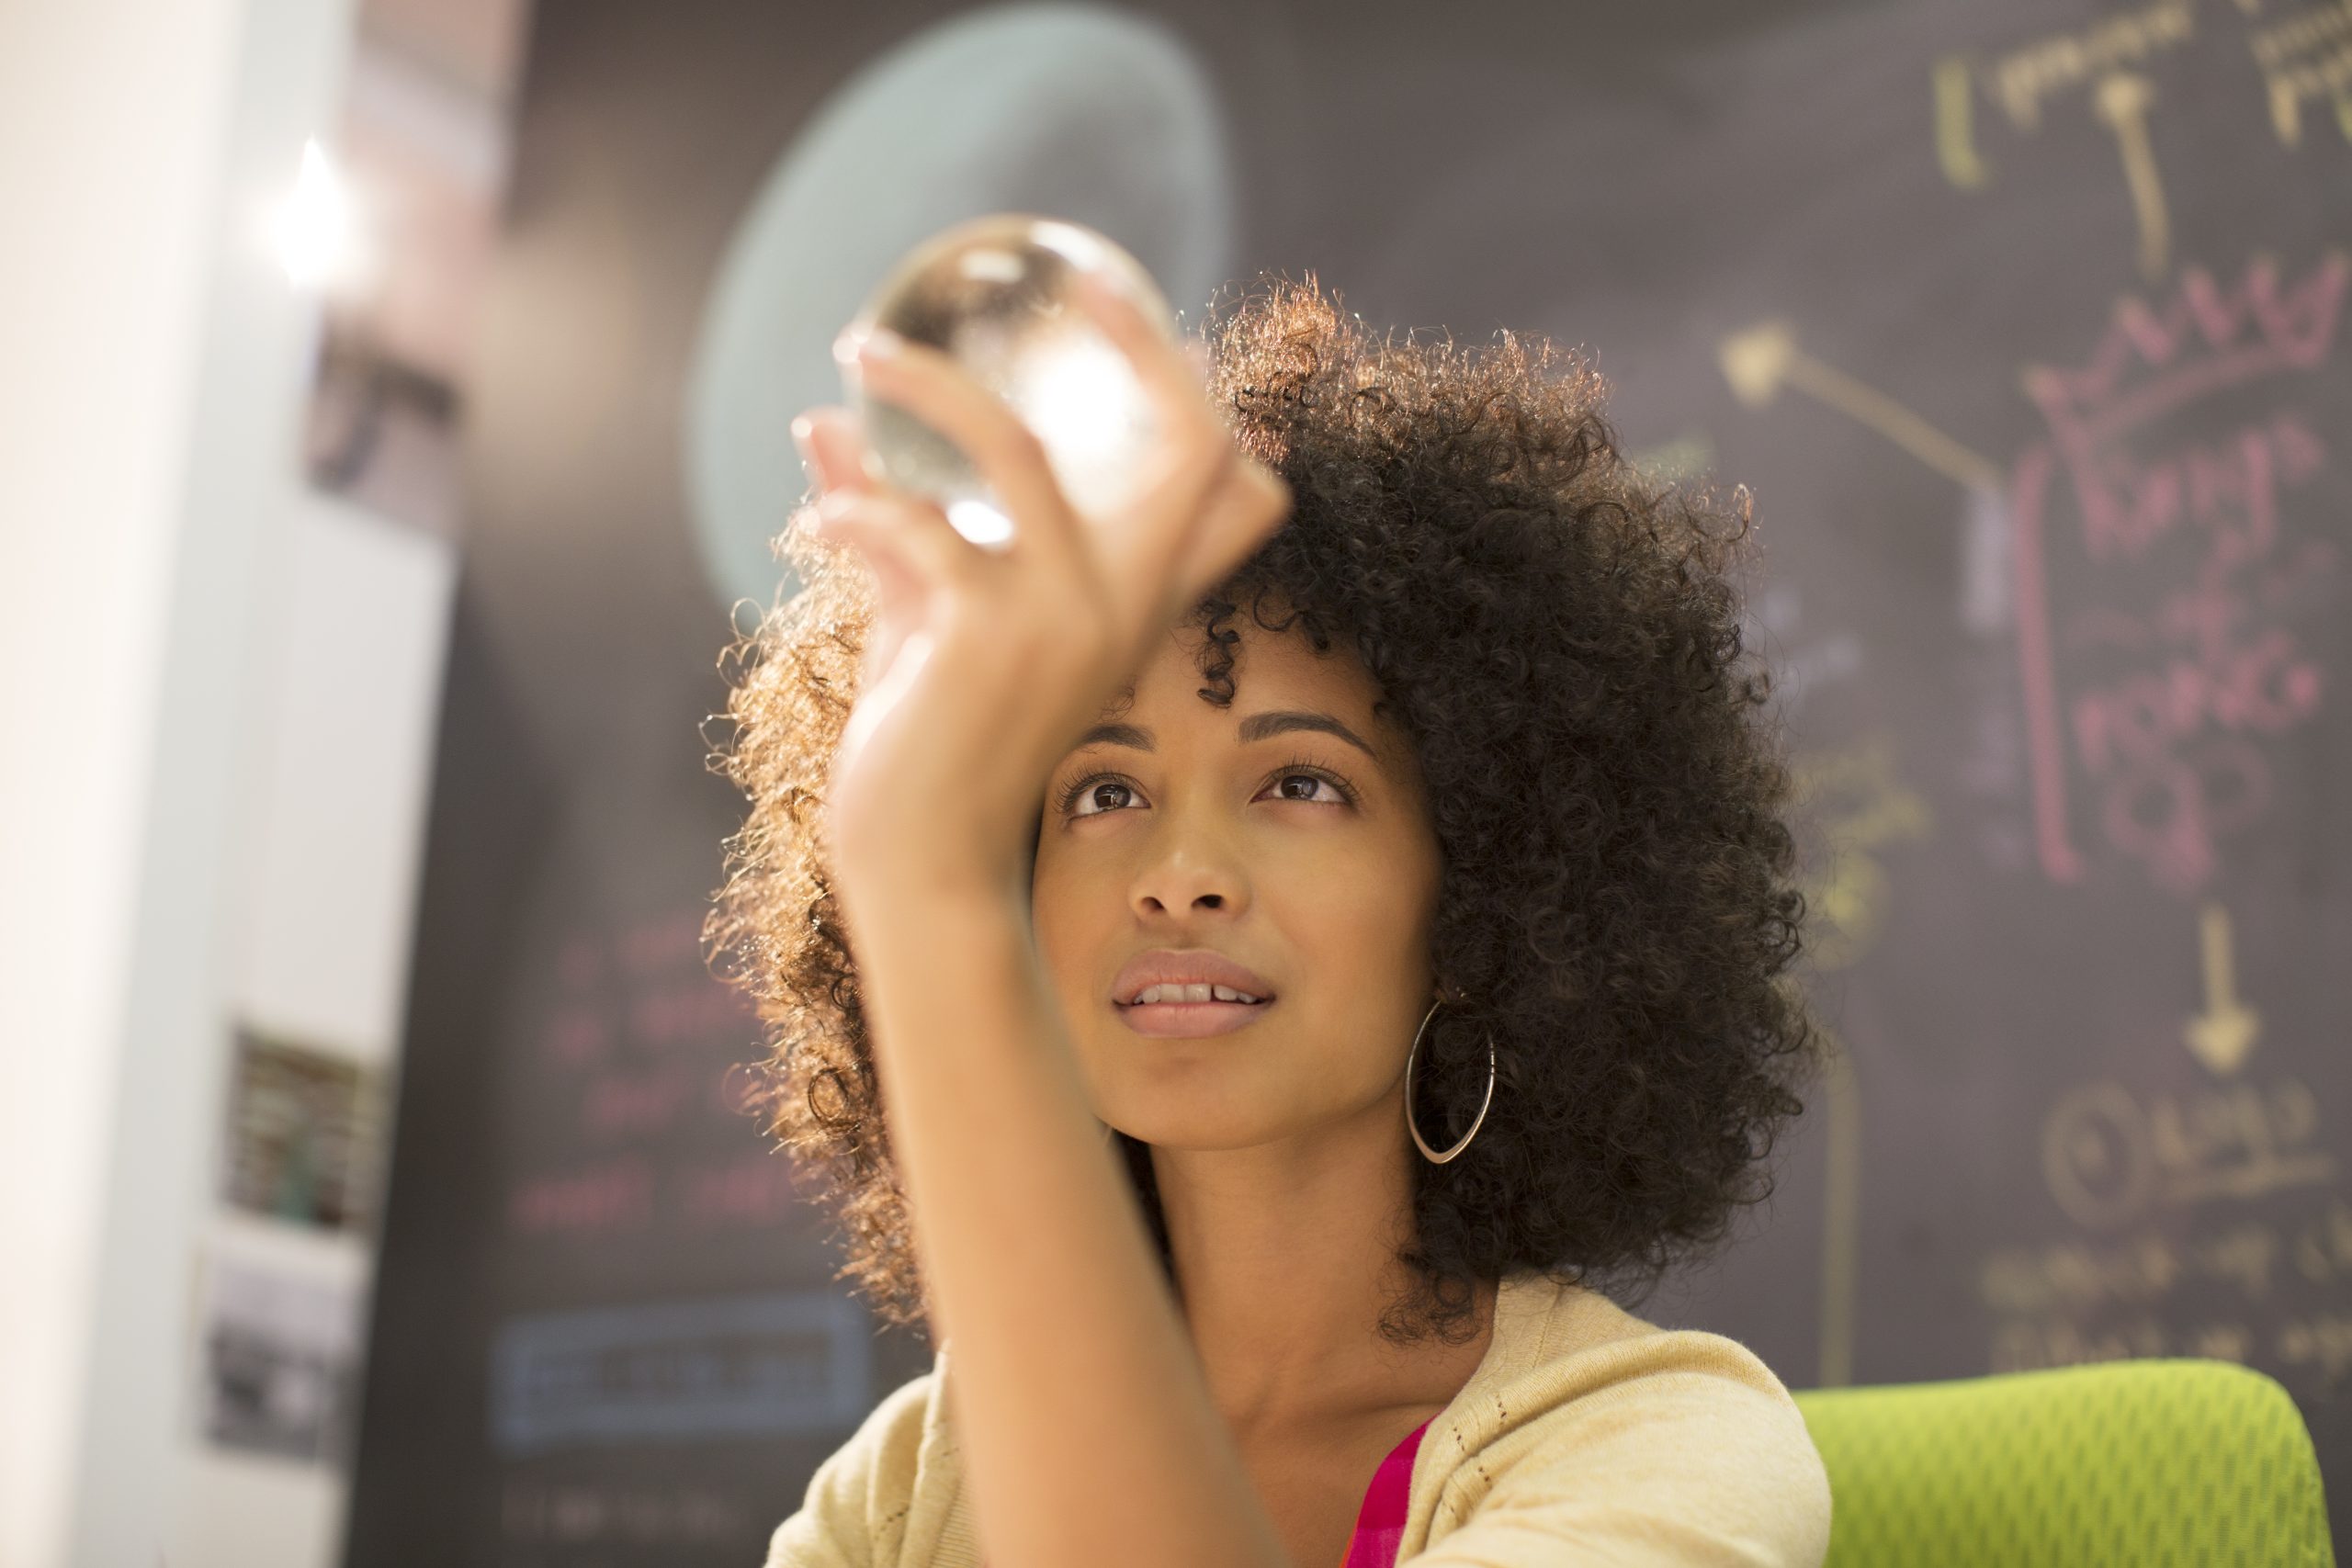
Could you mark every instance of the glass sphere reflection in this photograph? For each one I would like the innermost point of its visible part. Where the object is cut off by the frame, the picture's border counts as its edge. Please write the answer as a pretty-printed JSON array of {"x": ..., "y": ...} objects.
[{"x": 995, "y": 293}]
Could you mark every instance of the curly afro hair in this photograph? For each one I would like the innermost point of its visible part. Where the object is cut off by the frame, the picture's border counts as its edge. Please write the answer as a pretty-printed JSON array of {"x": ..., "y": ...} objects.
[{"x": 1560, "y": 639}]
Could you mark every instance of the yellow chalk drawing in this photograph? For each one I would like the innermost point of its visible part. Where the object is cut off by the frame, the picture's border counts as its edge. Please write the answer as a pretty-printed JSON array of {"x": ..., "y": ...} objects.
[
  {"x": 1955, "y": 129},
  {"x": 1761, "y": 361},
  {"x": 2100, "y": 56},
  {"x": 2028, "y": 1347},
  {"x": 2108, "y": 1156},
  {"x": 1841, "y": 1218},
  {"x": 2221, "y": 1342},
  {"x": 2122, "y": 101},
  {"x": 2324, "y": 1339},
  {"x": 2225, "y": 1032},
  {"x": 1685, "y": 458},
  {"x": 2048, "y": 1300},
  {"x": 1854, "y": 797},
  {"x": 2323, "y": 1249},
  {"x": 2021, "y": 79},
  {"x": 2305, "y": 58}
]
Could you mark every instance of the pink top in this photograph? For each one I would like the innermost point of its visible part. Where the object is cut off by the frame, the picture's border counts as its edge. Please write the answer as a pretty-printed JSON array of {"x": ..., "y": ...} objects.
[{"x": 1380, "y": 1523}]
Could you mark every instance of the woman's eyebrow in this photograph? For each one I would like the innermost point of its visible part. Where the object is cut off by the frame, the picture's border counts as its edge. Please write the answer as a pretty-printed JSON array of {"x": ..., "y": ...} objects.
[{"x": 1257, "y": 726}]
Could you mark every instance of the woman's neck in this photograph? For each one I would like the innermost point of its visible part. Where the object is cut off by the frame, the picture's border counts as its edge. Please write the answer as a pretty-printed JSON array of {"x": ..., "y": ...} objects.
[{"x": 1285, "y": 1260}]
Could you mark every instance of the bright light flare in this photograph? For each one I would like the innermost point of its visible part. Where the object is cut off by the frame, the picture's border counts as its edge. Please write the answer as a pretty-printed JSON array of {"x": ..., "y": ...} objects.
[
  {"x": 312, "y": 230},
  {"x": 1081, "y": 397}
]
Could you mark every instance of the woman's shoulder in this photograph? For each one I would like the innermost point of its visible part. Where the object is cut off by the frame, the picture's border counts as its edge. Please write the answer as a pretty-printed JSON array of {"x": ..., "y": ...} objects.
[
  {"x": 1600, "y": 1421},
  {"x": 1557, "y": 1344},
  {"x": 857, "y": 1501}
]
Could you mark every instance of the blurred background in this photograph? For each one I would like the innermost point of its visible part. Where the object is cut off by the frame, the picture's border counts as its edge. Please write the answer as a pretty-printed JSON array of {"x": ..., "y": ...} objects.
[{"x": 392, "y": 419}]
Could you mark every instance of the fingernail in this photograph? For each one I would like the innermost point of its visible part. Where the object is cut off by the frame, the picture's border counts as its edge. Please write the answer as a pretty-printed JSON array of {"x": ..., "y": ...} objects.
[{"x": 854, "y": 347}]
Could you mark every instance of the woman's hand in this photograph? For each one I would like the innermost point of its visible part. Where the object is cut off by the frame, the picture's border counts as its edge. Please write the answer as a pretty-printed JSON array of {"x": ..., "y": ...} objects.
[{"x": 985, "y": 665}]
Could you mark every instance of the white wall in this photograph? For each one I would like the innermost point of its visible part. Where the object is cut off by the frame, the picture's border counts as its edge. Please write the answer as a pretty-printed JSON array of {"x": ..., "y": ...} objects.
[
  {"x": 99, "y": 326},
  {"x": 336, "y": 776},
  {"x": 191, "y": 827}
]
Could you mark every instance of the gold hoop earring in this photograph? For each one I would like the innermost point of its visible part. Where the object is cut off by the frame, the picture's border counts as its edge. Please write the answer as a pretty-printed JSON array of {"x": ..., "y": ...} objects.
[{"x": 1431, "y": 1155}]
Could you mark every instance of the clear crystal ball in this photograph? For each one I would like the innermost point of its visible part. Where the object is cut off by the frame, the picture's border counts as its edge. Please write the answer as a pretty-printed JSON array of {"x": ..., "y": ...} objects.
[{"x": 995, "y": 293}]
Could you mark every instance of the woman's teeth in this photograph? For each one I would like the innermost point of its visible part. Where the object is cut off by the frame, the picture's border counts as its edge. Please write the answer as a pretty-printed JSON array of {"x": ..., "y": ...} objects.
[{"x": 1192, "y": 993}]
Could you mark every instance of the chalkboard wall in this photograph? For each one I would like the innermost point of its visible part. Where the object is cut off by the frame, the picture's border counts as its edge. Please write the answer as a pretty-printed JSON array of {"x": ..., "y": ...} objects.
[{"x": 2022, "y": 321}]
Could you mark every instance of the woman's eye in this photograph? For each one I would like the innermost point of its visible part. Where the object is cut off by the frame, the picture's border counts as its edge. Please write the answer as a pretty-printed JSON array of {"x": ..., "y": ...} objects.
[
  {"x": 1314, "y": 782},
  {"x": 1088, "y": 791}
]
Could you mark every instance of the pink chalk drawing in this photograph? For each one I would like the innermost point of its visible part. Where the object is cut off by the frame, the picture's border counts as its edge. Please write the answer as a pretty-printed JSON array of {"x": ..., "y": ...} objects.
[
  {"x": 640, "y": 1060},
  {"x": 604, "y": 1199},
  {"x": 576, "y": 1037},
  {"x": 632, "y": 1104},
  {"x": 754, "y": 1189},
  {"x": 691, "y": 1009},
  {"x": 2158, "y": 656}
]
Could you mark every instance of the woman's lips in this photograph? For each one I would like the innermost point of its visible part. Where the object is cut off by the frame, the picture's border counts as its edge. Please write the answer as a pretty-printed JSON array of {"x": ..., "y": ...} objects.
[{"x": 1189, "y": 1019}]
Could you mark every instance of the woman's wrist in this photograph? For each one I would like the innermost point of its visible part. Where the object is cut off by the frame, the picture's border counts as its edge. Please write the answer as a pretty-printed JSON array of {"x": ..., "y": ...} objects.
[
  {"x": 927, "y": 924},
  {"x": 916, "y": 873}
]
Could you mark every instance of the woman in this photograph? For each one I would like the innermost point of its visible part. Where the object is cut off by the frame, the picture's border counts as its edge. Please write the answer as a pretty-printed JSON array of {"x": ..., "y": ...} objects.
[{"x": 1406, "y": 725}]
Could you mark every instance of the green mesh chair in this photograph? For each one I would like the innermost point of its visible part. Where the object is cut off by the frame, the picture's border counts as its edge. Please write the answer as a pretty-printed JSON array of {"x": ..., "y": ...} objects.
[{"x": 2135, "y": 1463}]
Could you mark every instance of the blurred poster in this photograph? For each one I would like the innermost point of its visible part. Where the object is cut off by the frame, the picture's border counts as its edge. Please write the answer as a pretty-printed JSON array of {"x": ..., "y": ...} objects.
[
  {"x": 280, "y": 1361},
  {"x": 305, "y": 1128}
]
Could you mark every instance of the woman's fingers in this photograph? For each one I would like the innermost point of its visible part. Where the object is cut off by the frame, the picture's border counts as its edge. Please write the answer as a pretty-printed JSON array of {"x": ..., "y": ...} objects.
[
  {"x": 931, "y": 386},
  {"x": 909, "y": 543},
  {"x": 1249, "y": 504},
  {"x": 1191, "y": 483},
  {"x": 1205, "y": 511},
  {"x": 832, "y": 449},
  {"x": 1193, "y": 445}
]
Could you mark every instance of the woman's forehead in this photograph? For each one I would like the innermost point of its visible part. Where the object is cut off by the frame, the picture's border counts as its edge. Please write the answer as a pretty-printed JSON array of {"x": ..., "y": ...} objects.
[
  {"x": 1279, "y": 683},
  {"x": 1269, "y": 669}
]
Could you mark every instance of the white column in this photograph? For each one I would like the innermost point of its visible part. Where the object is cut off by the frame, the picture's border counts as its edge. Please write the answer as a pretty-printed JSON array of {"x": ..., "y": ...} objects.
[{"x": 153, "y": 362}]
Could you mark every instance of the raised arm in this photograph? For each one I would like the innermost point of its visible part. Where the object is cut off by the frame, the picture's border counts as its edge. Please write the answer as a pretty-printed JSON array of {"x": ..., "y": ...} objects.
[{"x": 1088, "y": 1432}]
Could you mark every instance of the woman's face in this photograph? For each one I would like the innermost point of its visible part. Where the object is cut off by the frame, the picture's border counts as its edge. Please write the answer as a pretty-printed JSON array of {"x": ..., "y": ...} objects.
[{"x": 1288, "y": 850}]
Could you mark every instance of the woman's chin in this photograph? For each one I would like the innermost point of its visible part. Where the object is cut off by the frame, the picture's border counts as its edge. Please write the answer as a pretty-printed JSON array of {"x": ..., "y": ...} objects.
[{"x": 1204, "y": 1130}]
